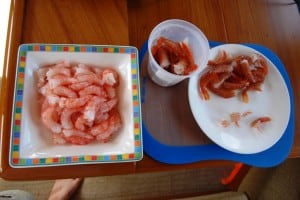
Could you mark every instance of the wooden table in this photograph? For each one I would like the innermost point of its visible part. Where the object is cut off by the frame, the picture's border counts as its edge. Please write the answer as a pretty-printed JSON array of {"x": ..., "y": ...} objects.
[{"x": 274, "y": 25}]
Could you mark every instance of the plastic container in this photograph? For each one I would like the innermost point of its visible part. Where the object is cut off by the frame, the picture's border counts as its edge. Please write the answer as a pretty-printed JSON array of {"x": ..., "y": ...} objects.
[{"x": 177, "y": 30}]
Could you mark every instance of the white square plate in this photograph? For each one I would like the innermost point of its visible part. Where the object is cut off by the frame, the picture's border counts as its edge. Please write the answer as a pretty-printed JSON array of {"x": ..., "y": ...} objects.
[{"x": 31, "y": 143}]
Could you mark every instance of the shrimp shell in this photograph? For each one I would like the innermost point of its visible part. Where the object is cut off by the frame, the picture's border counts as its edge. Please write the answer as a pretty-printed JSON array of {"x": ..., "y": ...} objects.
[
  {"x": 227, "y": 76},
  {"x": 257, "y": 122}
]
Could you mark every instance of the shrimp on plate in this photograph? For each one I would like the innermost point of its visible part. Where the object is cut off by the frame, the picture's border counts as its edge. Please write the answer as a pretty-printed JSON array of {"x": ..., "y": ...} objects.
[
  {"x": 79, "y": 103},
  {"x": 105, "y": 130}
]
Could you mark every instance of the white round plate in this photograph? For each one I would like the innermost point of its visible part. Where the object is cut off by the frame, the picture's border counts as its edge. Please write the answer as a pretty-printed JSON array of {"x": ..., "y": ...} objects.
[{"x": 273, "y": 101}]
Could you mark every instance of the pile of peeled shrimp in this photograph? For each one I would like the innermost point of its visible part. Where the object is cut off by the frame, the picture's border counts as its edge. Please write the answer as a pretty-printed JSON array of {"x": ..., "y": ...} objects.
[
  {"x": 79, "y": 103},
  {"x": 175, "y": 57},
  {"x": 228, "y": 76}
]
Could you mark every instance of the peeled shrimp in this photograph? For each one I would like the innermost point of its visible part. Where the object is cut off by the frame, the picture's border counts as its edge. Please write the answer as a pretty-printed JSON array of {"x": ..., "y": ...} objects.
[
  {"x": 64, "y": 92},
  {"x": 74, "y": 102},
  {"x": 90, "y": 78},
  {"x": 94, "y": 104},
  {"x": 79, "y": 103},
  {"x": 79, "y": 86},
  {"x": 108, "y": 105},
  {"x": 92, "y": 90},
  {"x": 58, "y": 139},
  {"x": 59, "y": 80},
  {"x": 110, "y": 77},
  {"x": 82, "y": 69},
  {"x": 48, "y": 117},
  {"x": 78, "y": 140},
  {"x": 65, "y": 118},
  {"x": 106, "y": 128},
  {"x": 58, "y": 70},
  {"x": 81, "y": 123}
]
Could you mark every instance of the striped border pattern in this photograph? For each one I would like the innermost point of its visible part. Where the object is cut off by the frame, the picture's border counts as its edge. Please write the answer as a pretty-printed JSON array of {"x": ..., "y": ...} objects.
[{"x": 15, "y": 159}]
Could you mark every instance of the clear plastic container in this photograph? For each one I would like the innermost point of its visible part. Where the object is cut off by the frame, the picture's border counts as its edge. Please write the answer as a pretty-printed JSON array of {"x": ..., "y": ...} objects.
[{"x": 177, "y": 30}]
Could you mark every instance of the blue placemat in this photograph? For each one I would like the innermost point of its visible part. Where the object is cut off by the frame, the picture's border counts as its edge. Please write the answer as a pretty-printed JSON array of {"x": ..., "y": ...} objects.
[{"x": 189, "y": 154}]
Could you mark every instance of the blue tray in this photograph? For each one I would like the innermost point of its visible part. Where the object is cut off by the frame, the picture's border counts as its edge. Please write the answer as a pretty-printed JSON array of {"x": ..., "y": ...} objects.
[{"x": 189, "y": 154}]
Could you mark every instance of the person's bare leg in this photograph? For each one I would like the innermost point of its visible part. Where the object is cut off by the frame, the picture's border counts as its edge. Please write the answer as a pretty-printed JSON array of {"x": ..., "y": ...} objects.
[{"x": 63, "y": 189}]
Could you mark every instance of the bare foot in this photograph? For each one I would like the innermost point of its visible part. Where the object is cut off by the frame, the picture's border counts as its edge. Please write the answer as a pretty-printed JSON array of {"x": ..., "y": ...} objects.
[{"x": 63, "y": 189}]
